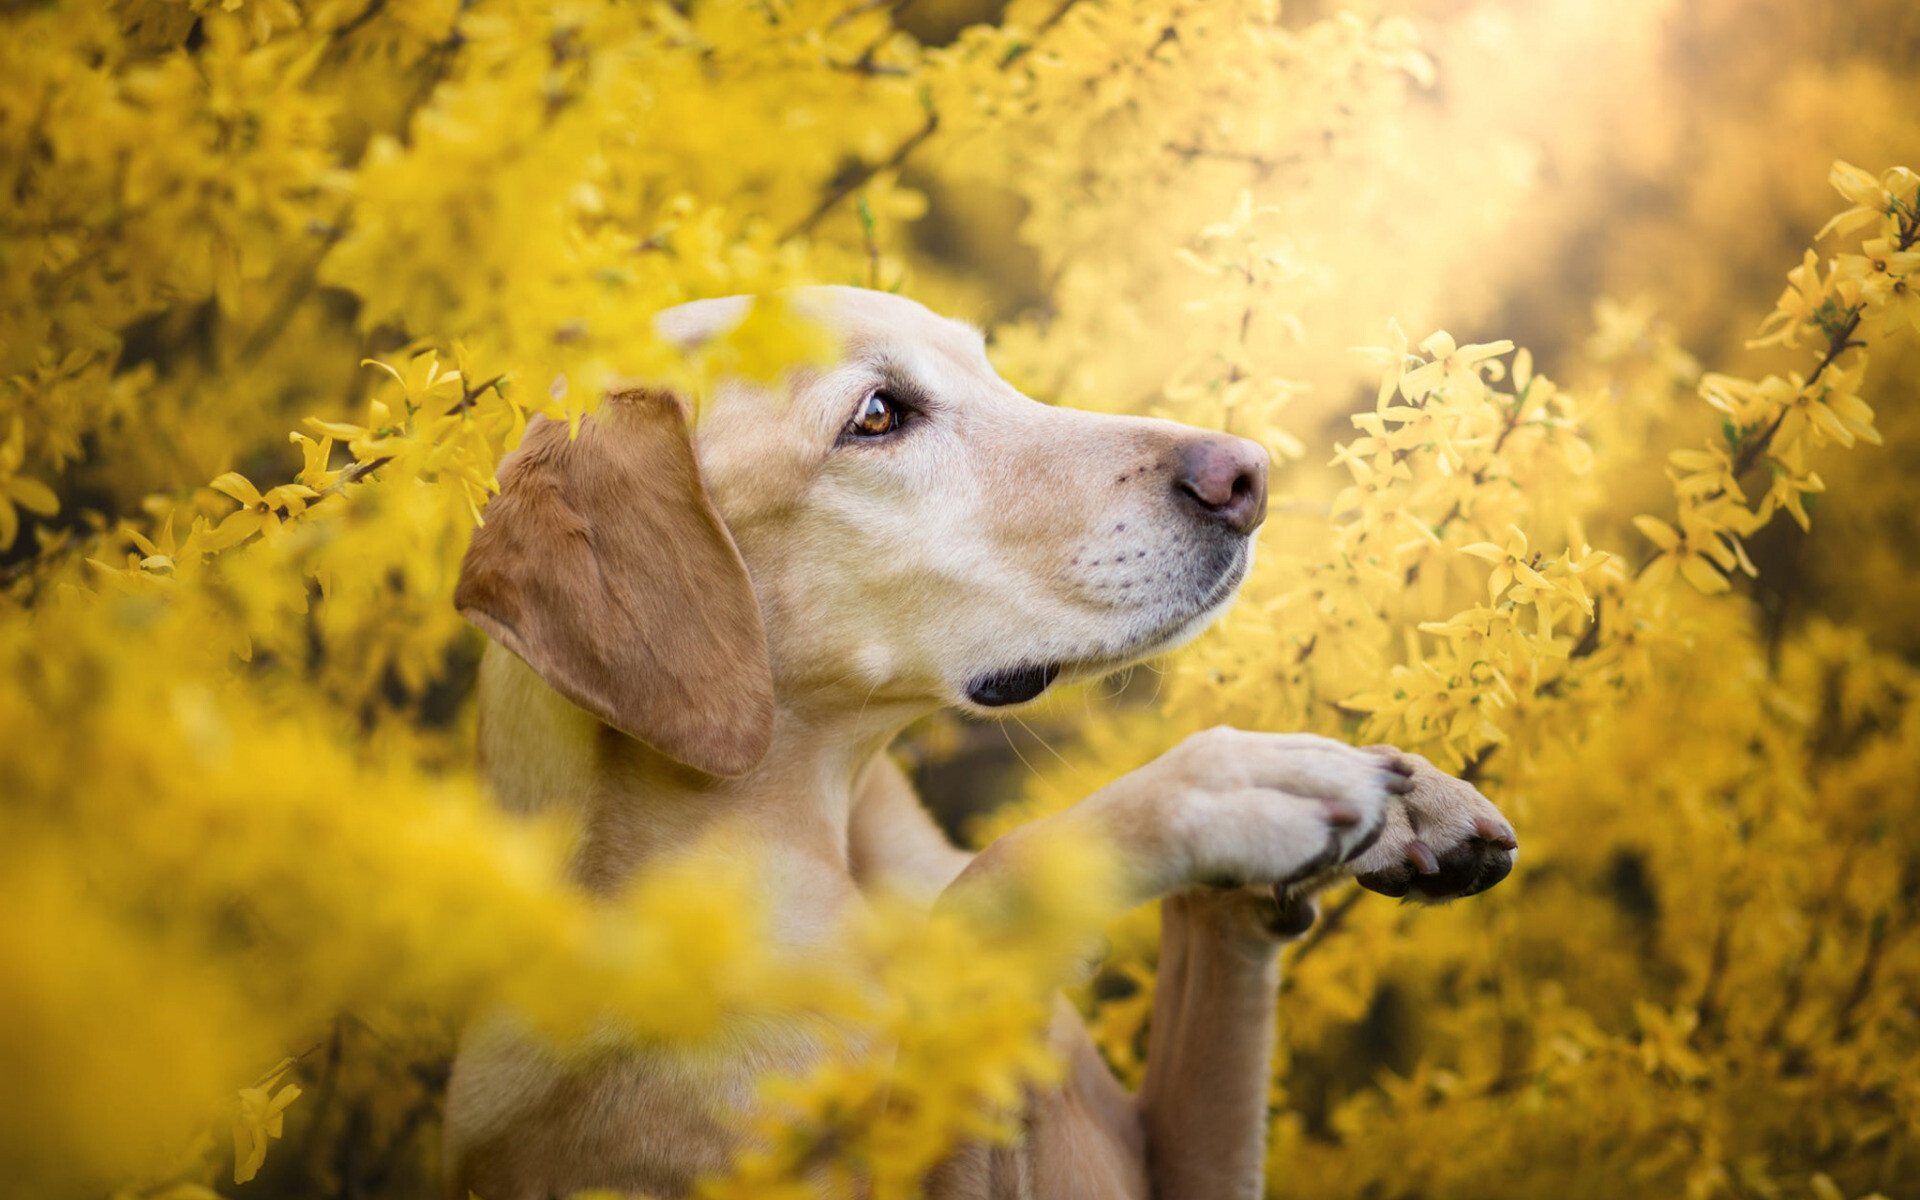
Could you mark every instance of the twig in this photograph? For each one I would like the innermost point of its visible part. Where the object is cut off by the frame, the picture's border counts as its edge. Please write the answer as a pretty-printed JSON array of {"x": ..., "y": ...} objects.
[
  {"x": 296, "y": 293},
  {"x": 1266, "y": 166},
  {"x": 329, "y": 1081},
  {"x": 864, "y": 7},
  {"x": 1844, "y": 1027},
  {"x": 469, "y": 396},
  {"x": 1795, "y": 986},
  {"x": 1708, "y": 1008},
  {"x": 860, "y": 178},
  {"x": 353, "y": 24},
  {"x": 1018, "y": 52},
  {"x": 1839, "y": 342},
  {"x": 1590, "y": 640},
  {"x": 1475, "y": 765},
  {"x": 1328, "y": 924}
]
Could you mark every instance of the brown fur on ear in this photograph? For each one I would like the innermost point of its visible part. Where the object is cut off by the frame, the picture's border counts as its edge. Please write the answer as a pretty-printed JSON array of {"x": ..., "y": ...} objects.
[{"x": 605, "y": 566}]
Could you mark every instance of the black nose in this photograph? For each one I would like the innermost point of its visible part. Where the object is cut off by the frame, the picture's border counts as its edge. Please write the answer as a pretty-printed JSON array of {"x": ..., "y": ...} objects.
[{"x": 1227, "y": 478}]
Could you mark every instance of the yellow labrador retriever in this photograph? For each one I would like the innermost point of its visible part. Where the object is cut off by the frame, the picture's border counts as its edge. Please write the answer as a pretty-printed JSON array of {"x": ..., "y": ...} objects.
[{"x": 730, "y": 626}]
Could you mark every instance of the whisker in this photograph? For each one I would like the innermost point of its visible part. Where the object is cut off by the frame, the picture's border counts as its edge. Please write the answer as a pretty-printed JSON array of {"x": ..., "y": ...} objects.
[
  {"x": 1016, "y": 749},
  {"x": 814, "y": 691},
  {"x": 868, "y": 700},
  {"x": 1043, "y": 741}
]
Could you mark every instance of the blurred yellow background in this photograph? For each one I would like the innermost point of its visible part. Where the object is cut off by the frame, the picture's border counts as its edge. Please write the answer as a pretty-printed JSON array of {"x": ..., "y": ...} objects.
[{"x": 237, "y": 811}]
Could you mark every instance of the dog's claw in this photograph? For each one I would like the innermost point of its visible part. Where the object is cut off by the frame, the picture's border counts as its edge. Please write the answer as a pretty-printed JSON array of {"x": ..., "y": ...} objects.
[
  {"x": 1342, "y": 815},
  {"x": 1490, "y": 830},
  {"x": 1422, "y": 858}
]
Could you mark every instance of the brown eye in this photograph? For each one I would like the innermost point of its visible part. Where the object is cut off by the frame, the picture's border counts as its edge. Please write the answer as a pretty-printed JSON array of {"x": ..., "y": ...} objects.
[{"x": 877, "y": 415}]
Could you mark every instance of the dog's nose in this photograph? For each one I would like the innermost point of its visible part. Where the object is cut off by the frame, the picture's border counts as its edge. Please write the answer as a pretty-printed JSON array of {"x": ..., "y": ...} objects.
[{"x": 1227, "y": 478}]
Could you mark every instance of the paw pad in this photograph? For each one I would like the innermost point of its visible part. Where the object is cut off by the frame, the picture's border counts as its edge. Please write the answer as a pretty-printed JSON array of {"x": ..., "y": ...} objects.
[{"x": 1465, "y": 869}]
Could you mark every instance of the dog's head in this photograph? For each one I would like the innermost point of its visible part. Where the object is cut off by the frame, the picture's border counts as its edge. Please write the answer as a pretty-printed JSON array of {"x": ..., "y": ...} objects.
[{"x": 899, "y": 531}]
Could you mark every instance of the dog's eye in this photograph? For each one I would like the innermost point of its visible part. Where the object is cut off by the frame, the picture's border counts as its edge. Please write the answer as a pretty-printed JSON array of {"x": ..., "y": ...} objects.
[{"x": 878, "y": 414}]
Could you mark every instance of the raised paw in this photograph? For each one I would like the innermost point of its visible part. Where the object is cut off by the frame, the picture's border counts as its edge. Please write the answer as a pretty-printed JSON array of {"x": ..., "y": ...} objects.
[
  {"x": 1438, "y": 841},
  {"x": 1263, "y": 809}
]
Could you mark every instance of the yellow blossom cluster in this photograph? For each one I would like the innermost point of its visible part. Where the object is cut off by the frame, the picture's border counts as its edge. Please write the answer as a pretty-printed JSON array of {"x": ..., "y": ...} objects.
[
  {"x": 281, "y": 280},
  {"x": 1777, "y": 421}
]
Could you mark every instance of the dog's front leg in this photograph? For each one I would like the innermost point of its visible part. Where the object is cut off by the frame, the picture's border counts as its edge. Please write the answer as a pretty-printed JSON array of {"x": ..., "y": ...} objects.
[
  {"x": 1204, "y": 1102},
  {"x": 1203, "y": 1105},
  {"x": 1241, "y": 812}
]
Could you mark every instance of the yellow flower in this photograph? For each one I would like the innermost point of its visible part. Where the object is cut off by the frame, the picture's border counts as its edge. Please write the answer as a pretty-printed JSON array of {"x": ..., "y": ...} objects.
[
  {"x": 1393, "y": 361},
  {"x": 1666, "y": 1041},
  {"x": 260, "y": 1116},
  {"x": 1798, "y": 306},
  {"x": 1422, "y": 426},
  {"x": 1570, "y": 566},
  {"x": 258, "y": 513},
  {"x": 1474, "y": 631},
  {"x": 1744, "y": 402},
  {"x": 1704, "y": 474},
  {"x": 160, "y": 555},
  {"x": 1792, "y": 483},
  {"x": 1510, "y": 562},
  {"x": 1871, "y": 198},
  {"x": 314, "y": 456},
  {"x": 1240, "y": 220},
  {"x": 1885, "y": 274},
  {"x": 19, "y": 490},
  {"x": 1694, "y": 550},
  {"x": 425, "y": 386},
  {"x": 771, "y": 339},
  {"x": 1829, "y": 409},
  {"x": 1902, "y": 305},
  {"x": 1449, "y": 361}
]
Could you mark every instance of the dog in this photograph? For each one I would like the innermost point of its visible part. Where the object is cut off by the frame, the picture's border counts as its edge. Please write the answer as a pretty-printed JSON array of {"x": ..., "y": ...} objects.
[{"x": 726, "y": 625}]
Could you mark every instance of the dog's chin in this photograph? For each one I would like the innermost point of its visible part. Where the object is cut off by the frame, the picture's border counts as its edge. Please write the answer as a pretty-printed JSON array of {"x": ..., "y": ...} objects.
[{"x": 1028, "y": 680}]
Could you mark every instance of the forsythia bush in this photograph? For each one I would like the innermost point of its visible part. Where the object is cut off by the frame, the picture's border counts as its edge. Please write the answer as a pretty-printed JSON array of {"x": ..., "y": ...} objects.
[{"x": 281, "y": 280}]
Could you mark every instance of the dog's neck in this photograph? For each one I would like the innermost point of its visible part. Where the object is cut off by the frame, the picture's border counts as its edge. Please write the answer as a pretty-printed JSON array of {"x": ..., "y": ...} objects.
[
  {"x": 799, "y": 800},
  {"x": 540, "y": 753}
]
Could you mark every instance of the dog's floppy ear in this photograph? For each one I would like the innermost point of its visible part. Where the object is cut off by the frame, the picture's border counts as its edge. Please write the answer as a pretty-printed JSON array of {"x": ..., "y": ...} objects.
[{"x": 604, "y": 565}]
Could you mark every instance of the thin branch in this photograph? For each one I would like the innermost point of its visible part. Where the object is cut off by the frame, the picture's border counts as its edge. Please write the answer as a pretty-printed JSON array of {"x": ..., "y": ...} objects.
[
  {"x": 1708, "y": 1008},
  {"x": 329, "y": 1081},
  {"x": 1478, "y": 763},
  {"x": 1590, "y": 640},
  {"x": 1795, "y": 987},
  {"x": 865, "y": 65},
  {"x": 1018, "y": 52},
  {"x": 1328, "y": 924},
  {"x": 351, "y": 26},
  {"x": 1839, "y": 342},
  {"x": 296, "y": 293},
  {"x": 1187, "y": 152},
  {"x": 865, "y": 174},
  {"x": 864, "y": 7},
  {"x": 471, "y": 395},
  {"x": 1844, "y": 1027}
]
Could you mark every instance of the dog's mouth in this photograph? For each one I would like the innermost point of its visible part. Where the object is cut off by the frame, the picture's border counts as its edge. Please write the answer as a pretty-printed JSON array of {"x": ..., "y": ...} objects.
[{"x": 1019, "y": 684}]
